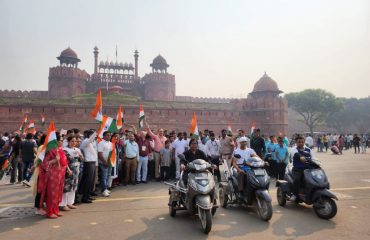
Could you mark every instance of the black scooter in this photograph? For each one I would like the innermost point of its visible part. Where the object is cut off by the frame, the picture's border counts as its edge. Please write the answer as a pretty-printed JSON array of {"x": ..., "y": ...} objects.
[
  {"x": 256, "y": 187},
  {"x": 315, "y": 190}
]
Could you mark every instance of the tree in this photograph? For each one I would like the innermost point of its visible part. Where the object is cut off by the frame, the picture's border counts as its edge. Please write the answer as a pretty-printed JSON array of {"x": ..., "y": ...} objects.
[
  {"x": 353, "y": 118},
  {"x": 314, "y": 105}
]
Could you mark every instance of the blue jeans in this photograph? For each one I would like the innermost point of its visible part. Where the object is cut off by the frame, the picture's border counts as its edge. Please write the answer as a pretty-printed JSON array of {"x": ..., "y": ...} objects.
[
  {"x": 27, "y": 174},
  {"x": 104, "y": 178},
  {"x": 142, "y": 164}
]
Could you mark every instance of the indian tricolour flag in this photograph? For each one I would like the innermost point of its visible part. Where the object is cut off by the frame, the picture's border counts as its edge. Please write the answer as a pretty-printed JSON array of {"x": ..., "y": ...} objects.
[
  {"x": 108, "y": 124},
  {"x": 31, "y": 127},
  {"x": 119, "y": 118},
  {"x": 113, "y": 154},
  {"x": 194, "y": 126},
  {"x": 229, "y": 128},
  {"x": 42, "y": 120},
  {"x": 141, "y": 116},
  {"x": 253, "y": 127},
  {"x": 50, "y": 142},
  {"x": 23, "y": 123},
  {"x": 97, "y": 112}
]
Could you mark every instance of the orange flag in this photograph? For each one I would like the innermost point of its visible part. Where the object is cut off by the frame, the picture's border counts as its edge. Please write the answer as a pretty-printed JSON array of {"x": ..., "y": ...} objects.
[{"x": 97, "y": 112}]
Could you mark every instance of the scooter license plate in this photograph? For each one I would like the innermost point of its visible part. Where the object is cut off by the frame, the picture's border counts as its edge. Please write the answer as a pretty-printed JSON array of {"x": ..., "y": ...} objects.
[{"x": 259, "y": 172}]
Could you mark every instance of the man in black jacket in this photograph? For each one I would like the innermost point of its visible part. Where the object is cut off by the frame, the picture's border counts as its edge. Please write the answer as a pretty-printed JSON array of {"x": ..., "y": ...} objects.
[
  {"x": 258, "y": 144},
  {"x": 190, "y": 155}
]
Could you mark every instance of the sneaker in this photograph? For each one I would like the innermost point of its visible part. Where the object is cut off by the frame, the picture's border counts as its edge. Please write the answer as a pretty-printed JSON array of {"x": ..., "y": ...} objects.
[
  {"x": 26, "y": 183},
  {"x": 105, "y": 193},
  {"x": 293, "y": 198},
  {"x": 109, "y": 192}
]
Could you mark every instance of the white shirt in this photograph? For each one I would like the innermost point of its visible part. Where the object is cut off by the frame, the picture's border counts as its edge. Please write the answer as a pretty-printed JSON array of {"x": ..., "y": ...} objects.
[
  {"x": 105, "y": 147},
  {"x": 131, "y": 149},
  {"x": 213, "y": 148},
  {"x": 89, "y": 148},
  {"x": 202, "y": 147},
  {"x": 245, "y": 154},
  {"x": 179, "y": 146},
  {"x": 309, "y": 141}
]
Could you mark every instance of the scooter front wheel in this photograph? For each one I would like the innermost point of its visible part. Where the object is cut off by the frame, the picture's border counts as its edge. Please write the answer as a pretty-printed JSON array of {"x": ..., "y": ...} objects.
[
  {"x": 281, "y": 197},
  {"x": 172, "y": 209},
  {"x": 223, "y": 197},
  {"x": 264, "y": 209},
  {"x": 325, "y": 208},
  {"x": 205, "y": 217}
]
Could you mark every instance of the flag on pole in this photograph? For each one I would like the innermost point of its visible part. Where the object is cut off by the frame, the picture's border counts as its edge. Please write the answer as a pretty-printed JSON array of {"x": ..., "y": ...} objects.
[
  {"x": 119, "y": 118},
  {"x": 229, "y": 128},
  {"x": 253, "y": 127},
  {"x": 23, "y": 123},
  {"x": 97, "y": 112},
  {"x": 108, "y": 124},
  {"x": 6, "y": 167},
  {"x": 113, "y": 154},
  {"x": 141, "y": 116},
  {"x": 31, "y": 127},
  {"x": 194, "y": 126},
  {"x": 50, "y": 142},
  {"x": 42, "y": 120}
]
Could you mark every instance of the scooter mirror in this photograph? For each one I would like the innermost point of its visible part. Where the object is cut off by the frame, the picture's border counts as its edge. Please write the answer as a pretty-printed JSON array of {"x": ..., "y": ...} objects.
[
  {"x": 237, "y": 156},
  {"x": 182, "y": 157}
]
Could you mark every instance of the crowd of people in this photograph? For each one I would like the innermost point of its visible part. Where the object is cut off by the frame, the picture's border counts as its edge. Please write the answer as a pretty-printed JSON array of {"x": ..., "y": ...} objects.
[
  {"x": 80, "y": 167},
  {"x": 339, "y": 142}
]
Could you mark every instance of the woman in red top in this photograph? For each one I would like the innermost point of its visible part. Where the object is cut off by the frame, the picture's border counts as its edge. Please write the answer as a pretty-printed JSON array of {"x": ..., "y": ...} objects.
[{"x": 51, "y": 179}]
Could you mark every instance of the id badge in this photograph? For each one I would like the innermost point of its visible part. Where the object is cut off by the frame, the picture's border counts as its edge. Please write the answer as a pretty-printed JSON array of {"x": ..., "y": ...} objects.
[{"x": 143, "y": 148}]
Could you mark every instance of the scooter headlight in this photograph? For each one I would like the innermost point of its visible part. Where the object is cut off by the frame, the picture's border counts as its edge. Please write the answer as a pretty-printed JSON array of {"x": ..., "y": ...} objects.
[
  {"x": 203, "y": 182},
  {"x": 317, "y": 174}
]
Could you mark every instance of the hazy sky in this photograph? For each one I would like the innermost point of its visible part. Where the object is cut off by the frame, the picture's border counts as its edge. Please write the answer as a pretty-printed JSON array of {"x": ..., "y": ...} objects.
[{"x": 215, "y": 48}]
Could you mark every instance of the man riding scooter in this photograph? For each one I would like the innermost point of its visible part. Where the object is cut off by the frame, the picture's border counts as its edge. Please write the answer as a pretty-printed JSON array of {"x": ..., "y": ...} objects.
[
  {"x": 190, "y": 155},
  {"x": 300, "y": 154},
  {"x": 238, "y": 163}
]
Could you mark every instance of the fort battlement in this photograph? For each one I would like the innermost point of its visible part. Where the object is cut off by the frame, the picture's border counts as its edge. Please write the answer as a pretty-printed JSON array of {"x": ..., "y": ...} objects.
[{"x": 23, "y": 94}]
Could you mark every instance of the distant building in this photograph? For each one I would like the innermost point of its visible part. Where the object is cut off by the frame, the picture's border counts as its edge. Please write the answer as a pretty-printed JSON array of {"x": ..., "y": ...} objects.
[{"x": 263, "y": 106}]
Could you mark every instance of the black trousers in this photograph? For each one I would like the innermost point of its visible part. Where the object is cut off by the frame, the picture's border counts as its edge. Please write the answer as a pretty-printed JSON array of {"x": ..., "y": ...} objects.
[
  {"x": 297, "y": 180},
  {"x": 216, "y": 161},
  {"x": 165, "y": 173},
  {"x": 281, "y": 170},
  {"x": 151, "y": 170},
  {"x": 87, "y": 180},
  {"x": 17, "y": 165}
]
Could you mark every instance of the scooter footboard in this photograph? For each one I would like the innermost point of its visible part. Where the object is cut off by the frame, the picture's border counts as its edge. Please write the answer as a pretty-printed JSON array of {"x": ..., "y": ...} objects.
[
  {"x": 203, "y": 201},
  {"x": 264, "y": 194}
]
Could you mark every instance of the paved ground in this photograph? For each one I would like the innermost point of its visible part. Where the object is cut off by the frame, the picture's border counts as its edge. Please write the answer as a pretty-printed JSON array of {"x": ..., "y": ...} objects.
[{"x": 141, "y": 212}]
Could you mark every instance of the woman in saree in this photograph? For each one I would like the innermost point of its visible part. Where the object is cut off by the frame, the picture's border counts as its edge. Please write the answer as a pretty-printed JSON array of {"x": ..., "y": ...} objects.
[{"x": 51, "y": 179}]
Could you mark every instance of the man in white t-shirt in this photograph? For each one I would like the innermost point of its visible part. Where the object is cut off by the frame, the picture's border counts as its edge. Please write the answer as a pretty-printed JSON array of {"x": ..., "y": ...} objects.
[
  {"x": 309, "y": 141},
  {"x": 244, "y": 153},
  {"x": 104, "y": 148},
  {"x": 178, "y": 147}
]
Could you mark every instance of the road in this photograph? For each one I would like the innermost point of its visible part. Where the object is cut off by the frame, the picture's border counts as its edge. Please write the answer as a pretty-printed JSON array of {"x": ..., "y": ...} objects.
[{"x": 141, "y": 212}]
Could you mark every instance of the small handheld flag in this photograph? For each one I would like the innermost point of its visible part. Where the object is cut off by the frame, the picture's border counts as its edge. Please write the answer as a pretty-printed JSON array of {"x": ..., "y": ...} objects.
[
  {"x": 97, "y": 112},
  {"x": 141, "y": 116}
]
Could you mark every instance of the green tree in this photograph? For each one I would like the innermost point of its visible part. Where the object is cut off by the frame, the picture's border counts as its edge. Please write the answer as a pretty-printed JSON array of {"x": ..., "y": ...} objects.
[
  {"x": 353, "y": 118},
  {"x": 314, "y": 105}
]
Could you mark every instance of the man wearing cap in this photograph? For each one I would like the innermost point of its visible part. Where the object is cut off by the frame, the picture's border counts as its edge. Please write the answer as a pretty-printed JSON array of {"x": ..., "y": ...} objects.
[{"x": 244, "y": 153}]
